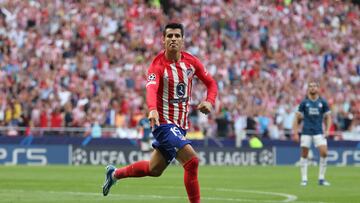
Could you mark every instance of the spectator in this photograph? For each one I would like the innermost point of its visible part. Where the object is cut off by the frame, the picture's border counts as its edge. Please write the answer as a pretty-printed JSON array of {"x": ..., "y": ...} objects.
[
  {"x": 288, "y": 121},
  {"x": 258, "y": 51}
]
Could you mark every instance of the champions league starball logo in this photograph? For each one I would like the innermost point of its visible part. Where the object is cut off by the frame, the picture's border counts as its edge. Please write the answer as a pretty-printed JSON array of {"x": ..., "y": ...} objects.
[
  {"x": 152, "y": 77},
  {"x": 266, "y": 157},
  {"x": 79, "y": 157}
]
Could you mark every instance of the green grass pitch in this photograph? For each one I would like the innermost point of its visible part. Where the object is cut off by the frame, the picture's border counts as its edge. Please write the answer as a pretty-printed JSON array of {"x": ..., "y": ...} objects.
[{"x": 58, "y": 184}]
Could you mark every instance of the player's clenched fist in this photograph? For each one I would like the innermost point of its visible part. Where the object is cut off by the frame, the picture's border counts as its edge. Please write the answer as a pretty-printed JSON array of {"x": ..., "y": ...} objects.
[
  {"x": 154, "y": 118},
  {"x": 205, "y": 107}
]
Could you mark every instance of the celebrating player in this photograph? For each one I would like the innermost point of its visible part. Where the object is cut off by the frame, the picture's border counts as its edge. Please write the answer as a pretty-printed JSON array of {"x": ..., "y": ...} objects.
[
  {"x": 168, "y": 96},
  {"x": 313, "y": 109}
]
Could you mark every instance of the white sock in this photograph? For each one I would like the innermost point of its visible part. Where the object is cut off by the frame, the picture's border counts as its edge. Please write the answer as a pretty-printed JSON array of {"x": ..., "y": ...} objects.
[
  {"x": 322, "y": 167},
  {"x": 113, "y": 175},
  {"x": 303, "y": 168}
]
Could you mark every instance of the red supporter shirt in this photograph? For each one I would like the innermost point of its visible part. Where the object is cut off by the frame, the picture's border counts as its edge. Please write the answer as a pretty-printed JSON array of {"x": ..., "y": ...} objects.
[
  {"x": 56, "y": 120},
  {"x": 43, "y": 120},
  {"x": 169, "y": 87}
]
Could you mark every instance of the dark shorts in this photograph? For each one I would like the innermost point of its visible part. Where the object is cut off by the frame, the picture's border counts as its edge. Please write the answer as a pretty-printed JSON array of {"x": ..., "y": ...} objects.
[{"x": 169, "y": 139}]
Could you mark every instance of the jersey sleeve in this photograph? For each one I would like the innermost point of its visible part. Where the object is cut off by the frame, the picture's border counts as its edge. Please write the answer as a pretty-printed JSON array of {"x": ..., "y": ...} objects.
[
  {"x": 152, "y": 86},
  {"x": 301, "y": 108},
  {"x": 325, "y": 108},
  {"x": 206, "y": 78}
]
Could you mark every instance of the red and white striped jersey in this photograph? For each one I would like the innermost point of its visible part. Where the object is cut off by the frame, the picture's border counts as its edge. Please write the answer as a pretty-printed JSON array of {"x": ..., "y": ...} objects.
[{"x": 168, "y": 88}]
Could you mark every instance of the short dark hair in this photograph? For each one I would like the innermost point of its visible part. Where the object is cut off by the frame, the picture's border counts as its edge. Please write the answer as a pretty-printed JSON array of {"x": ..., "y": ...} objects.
[
  {"x": 314, "y": 80},
  {"x": 174, "y": 26}
]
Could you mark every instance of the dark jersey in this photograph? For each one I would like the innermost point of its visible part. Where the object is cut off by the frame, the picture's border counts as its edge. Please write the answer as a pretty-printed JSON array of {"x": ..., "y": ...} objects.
[{"x": 313, "y": 114}]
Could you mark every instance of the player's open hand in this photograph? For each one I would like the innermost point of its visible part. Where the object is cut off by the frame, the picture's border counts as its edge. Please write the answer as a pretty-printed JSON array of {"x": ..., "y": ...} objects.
[
  {"x": 204, "y": 107},
  {"x": 154, "y": 118}
]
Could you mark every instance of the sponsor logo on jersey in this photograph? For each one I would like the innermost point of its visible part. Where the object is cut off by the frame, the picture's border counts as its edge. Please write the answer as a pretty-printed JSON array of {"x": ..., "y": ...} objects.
[
  {"x": 180, "y": 89},
  {"x": 314, "y": 111},
  {"x": 189, "y": 73}
]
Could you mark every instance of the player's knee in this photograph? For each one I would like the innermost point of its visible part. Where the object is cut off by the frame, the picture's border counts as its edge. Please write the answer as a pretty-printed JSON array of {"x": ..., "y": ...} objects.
[
  {"x": 304, "y": 153},
  {"x": 323, "y": 151},
  {"x": 155, "y": 172}
]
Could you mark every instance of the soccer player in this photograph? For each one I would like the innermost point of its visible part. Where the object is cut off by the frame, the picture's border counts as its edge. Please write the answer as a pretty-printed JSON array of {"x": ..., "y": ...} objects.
[
  {"x": 168, "y": 96},
  {"x": 313, "y": 110}
]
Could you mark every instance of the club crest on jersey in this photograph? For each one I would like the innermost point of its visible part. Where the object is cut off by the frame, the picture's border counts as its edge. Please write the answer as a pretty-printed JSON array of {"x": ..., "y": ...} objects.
[
  {"x": 180, "y": 89},
  {"x": 152, "y": 77},
  {"x": 320, "y": 105},
  {"x": 189, "y": 72}
]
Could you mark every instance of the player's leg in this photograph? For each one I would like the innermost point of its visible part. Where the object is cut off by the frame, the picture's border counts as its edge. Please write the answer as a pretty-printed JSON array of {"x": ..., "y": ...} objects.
[
  {"x": 321, "y": 144},
  {"x": 305, "y": 143},
  {"x": 188, "y": 159},
  {"x": 322, "y": 164},
  {"x": 154, "y": 167},
  {"x": 157, "y": 164}
]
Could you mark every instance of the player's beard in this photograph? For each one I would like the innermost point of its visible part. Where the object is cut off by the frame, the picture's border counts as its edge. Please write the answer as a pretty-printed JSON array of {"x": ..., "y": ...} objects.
[{"x": 313, "y": 94}]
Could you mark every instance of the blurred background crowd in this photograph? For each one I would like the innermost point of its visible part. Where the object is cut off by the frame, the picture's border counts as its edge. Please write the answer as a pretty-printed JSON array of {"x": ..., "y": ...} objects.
[{"x": 78, "y": 63}]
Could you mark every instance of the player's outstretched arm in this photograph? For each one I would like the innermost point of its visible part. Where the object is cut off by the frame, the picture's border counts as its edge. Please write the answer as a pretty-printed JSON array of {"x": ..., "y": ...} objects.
[
  {"x": 210, "y": 84},
  {"x": 153, "y": 80}
]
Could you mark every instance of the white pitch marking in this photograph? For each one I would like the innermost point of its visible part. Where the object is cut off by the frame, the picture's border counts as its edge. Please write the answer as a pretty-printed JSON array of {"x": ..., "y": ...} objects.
[{"x": 290, "y": 198}]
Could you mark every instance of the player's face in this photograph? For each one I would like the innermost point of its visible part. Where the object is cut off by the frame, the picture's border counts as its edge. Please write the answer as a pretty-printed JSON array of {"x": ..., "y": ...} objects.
[
  {"x": 173, "y": 40},
  {"x": 313, "y": 88}
]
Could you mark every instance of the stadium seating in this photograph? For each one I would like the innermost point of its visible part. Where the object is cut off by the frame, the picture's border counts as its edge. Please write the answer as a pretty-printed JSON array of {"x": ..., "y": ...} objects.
[{"x": 76, "y": 63}]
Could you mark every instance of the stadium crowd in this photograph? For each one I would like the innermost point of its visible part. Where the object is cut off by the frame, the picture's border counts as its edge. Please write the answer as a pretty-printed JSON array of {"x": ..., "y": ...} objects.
[{"x": 67, "y": 63}]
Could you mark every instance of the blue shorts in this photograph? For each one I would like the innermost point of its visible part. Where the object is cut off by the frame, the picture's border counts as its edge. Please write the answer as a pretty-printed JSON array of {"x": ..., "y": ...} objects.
[{"x": 169, "y": 139}]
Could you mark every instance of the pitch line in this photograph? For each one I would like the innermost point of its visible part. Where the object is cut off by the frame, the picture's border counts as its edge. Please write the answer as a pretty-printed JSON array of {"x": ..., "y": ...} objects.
[{"x": 289, "y": 198}]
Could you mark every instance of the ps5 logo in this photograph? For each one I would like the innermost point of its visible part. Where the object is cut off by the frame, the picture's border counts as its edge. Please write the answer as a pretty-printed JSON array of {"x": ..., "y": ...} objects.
[
  {"x": 29, "y": 156},
  {"x": 343, "y": 158}
]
